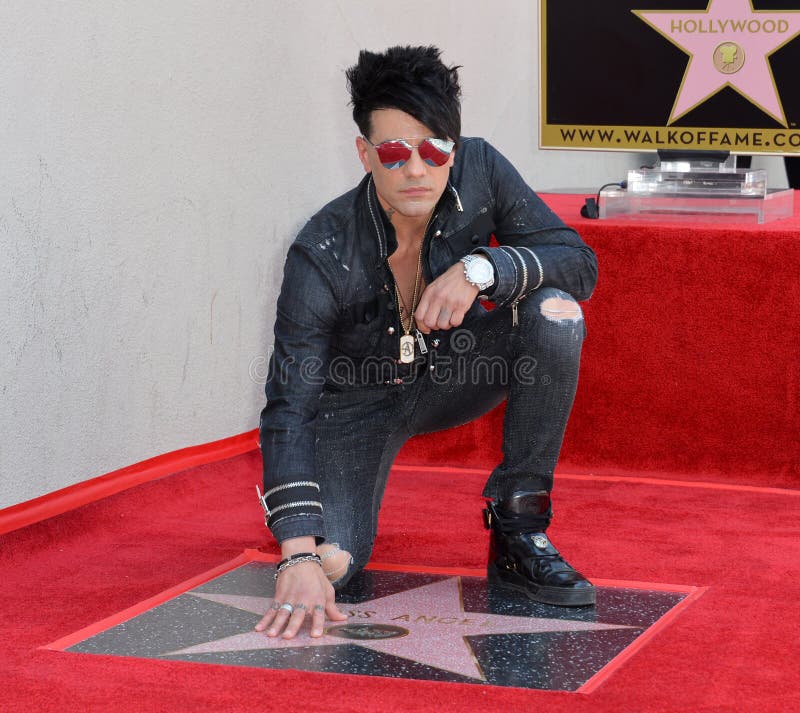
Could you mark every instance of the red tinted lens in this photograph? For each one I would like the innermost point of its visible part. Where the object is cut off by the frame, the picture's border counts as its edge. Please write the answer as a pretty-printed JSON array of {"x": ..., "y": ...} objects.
[
  {"x": 393, "y": 154},
  {"x": 435, "y": 151}
]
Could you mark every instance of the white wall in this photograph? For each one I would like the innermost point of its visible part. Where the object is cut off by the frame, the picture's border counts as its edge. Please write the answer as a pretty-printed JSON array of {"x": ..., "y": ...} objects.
[{"x": 157, "y": 159}]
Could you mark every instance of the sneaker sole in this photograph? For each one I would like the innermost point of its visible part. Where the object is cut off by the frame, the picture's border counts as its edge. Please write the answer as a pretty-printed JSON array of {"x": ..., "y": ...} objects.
[{"x": 584, "y": 597}]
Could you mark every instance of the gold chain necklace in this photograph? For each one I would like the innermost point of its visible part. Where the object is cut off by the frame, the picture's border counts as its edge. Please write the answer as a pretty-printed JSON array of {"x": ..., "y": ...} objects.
[
  {"x": 400, "y": 299},
  {"x": 406, "y": 340}
]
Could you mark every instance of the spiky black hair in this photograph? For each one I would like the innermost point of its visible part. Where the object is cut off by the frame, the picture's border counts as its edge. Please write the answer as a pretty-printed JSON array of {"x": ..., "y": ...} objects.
[{"x": 411, "y": 79}]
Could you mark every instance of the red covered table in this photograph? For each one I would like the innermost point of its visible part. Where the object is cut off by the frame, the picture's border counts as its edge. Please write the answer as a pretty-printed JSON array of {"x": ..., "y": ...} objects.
[{"x": 691, "y": 365}]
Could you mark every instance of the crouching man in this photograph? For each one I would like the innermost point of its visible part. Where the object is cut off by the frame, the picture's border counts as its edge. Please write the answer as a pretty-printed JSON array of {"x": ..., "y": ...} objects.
[{"x": 379, "y": 319}]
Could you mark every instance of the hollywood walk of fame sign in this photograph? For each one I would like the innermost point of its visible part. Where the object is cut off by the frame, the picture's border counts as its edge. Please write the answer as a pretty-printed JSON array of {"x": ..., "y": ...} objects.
[
  {"x": 683, "y": 74},
  {"x": 426, "y": 626}
]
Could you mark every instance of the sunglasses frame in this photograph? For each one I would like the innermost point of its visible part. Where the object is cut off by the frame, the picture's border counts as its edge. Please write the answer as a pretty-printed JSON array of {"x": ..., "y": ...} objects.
[{"x": 433, "y": 141}]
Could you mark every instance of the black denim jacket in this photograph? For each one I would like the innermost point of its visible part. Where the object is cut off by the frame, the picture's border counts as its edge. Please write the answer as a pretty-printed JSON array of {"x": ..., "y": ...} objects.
[{"x": 337, "y": 325}]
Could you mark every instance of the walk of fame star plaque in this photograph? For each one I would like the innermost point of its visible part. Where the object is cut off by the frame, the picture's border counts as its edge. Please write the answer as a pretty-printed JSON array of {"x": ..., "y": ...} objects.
[
  {"x": 702, "y": 75},
  {"x": 421, "y": 625}
]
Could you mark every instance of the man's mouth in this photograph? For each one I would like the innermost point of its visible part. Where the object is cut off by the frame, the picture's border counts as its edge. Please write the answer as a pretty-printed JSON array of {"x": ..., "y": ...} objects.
[{"x": 416, "y": 191}]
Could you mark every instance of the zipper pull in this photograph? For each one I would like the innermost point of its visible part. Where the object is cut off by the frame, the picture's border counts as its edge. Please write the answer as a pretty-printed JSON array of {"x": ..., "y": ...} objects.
[
  {"x": 423, "y": 348},
  {"x": 515, "y": 314},
  {"x": 459, "y": 206}
]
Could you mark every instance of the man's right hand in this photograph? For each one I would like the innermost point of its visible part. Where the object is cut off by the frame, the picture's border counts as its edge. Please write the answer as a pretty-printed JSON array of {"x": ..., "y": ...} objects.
[{"x": 307, "y": 590}]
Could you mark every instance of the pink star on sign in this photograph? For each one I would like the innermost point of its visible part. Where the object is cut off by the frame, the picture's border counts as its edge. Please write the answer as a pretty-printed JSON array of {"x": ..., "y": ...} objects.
[{"x": 728, "y": 44}]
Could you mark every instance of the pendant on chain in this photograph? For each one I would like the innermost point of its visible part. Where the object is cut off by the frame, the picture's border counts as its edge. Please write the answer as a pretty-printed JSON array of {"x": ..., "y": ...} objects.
[{"x": 406, "y": 349}]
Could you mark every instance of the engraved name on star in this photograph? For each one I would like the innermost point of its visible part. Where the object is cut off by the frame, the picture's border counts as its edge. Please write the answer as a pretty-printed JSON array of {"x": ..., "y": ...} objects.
[
  {"x": 426, "y": 624},
  {"x": 729, "y": 45}
]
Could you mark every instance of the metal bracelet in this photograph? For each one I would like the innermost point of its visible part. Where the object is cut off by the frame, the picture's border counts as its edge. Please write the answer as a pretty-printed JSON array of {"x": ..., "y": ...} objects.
[
  {"x": 295, "y": 556},
  {"x": 285, "y": 564}
]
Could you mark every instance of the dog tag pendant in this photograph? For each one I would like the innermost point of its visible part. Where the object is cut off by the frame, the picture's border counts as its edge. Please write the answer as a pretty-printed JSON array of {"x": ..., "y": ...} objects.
[{"x": 406, "y": 349}]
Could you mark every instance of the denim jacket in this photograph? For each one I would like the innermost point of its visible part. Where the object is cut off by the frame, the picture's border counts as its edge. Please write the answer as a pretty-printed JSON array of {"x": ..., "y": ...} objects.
[{"x": 336, "y": 310}]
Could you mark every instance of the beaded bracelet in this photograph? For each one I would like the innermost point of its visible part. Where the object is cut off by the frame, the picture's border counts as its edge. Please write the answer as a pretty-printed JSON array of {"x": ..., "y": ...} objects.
[{"x": 297, "y": 559}]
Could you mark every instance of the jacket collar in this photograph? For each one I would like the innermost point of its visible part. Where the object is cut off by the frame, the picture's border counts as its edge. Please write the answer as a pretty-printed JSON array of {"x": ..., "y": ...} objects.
[{"x": 384, "y": 230}]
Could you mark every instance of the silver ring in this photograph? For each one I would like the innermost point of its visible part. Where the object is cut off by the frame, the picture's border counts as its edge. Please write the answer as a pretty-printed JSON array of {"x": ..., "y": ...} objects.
[
  {"x": 276, "y": 605},
  {"x": 300, "y": 606},
  {"x": 319, "y": 607},
  {"x": 288, "y": 607}
]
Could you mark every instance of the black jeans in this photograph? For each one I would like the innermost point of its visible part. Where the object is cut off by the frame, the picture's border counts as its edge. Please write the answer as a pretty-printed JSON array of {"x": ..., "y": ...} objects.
[{"x": 533, "y": 364}]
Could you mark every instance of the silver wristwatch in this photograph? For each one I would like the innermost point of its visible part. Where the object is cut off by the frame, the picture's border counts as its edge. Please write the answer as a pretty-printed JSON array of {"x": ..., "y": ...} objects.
[{"x": 478, "y": 271}]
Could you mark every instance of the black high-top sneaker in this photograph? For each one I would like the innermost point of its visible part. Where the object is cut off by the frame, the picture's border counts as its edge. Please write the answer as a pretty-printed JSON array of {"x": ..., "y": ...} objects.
[{"x": 521, "y": 556}]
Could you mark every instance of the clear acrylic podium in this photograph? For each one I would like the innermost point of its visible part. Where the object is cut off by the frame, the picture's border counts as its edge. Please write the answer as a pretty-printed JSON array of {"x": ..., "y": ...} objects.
[{"x": 698, "y": 188}]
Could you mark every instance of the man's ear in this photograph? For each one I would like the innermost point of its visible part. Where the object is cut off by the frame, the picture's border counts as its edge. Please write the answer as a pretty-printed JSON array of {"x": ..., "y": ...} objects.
[{"x": 362, "y": 147}]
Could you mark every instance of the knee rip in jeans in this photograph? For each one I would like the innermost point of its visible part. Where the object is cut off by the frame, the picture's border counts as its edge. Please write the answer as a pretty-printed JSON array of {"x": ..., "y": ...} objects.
[
  {"x": 557, "y": 309},
  {"x": 335, "y": 561}
]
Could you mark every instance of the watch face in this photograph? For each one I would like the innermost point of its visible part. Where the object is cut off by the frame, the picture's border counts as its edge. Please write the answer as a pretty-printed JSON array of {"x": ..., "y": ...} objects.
[{"x": 481, "y": 271}]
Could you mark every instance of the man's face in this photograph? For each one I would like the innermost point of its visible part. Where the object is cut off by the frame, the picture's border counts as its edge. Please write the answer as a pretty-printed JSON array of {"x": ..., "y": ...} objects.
[{"x": 413, "y": 189}]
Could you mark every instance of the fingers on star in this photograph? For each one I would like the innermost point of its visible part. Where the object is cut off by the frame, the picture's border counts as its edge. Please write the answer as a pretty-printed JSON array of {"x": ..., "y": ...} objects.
[
  {"x": 295, "y": 621},
  {"x": 266, "y": 620},
  {"x": 317, "y": 620},
  {"x": 288, "y": 618}
]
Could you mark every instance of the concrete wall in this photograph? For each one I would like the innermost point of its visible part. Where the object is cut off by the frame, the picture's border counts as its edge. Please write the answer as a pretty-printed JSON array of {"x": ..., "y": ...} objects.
[{"x": 157, "y": 159}]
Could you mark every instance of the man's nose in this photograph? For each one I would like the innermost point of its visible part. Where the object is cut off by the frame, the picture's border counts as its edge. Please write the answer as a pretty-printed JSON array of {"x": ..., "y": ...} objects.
[{"x": 415, "y": 166}]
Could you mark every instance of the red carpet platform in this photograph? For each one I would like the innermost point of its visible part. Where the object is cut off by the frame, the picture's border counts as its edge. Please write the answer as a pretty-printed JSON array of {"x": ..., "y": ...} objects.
[
  {"x": 680, "y": 466},
  {"x": 692, "y": 362}
]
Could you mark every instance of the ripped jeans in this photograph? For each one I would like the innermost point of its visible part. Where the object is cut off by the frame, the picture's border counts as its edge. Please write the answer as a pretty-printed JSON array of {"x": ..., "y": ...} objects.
[{"x": 469, "y": 370}]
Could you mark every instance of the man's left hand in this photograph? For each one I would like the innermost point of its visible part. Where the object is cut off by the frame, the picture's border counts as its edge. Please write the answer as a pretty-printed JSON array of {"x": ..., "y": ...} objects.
[{"x": 445, "y": 301}]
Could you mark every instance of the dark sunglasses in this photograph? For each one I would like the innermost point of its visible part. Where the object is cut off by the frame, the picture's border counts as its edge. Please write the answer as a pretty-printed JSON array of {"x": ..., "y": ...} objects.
[{"x": 395, "y": 152}]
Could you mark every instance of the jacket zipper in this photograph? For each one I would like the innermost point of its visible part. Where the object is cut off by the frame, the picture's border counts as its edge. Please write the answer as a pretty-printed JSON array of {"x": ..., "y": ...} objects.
[{"x": 515, "y": 304}]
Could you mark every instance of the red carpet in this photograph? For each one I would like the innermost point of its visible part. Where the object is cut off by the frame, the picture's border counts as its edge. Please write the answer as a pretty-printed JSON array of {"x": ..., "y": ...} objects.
[
  {"x": 690, "y": 374},
  {"x": 732, "y": 648}
]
